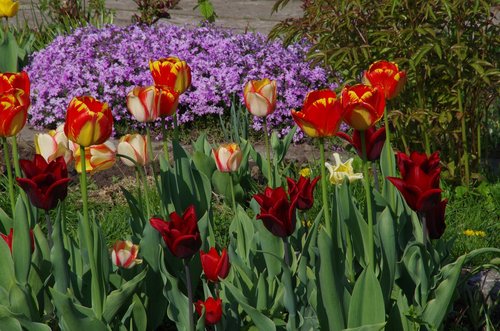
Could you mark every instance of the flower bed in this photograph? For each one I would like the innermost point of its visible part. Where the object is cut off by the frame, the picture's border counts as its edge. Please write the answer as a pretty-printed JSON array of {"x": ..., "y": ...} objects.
[{"x": 107, "y": 63}]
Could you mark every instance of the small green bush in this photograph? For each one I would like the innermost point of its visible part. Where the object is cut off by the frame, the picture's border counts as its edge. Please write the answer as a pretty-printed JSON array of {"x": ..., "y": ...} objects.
[{"x": 449, "y": 50}]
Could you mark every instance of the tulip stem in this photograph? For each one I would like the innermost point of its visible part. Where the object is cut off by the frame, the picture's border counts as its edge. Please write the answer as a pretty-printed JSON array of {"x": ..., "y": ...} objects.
[
  {"x": 231, "y": 183},
  {"x": 146, "y": 192},
  {"x": 349, "y": 249},
  {"x": 164, "y": 138},
  {"x": 97, "y": 293},
  {"x": 286, "y": 244},
  {"x": 366, "y": 183},
  {"x": 49, "y": 228},
  {"x": 176, "y": 126},
  {"x": 425, "y": 233},
  {"x": 190, "y": 294},
  {"x": 324, "y": 187},
  {"x": 388, "y": 152},
  {"x": 15, "y": 156},
  {"x": 9, "y": 175},
  {"x": 268, "y": 155}
]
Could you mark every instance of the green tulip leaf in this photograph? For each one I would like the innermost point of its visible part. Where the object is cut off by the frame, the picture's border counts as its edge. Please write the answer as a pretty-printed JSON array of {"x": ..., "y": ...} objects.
[
  {"x": 387, "y": 235},
  {"x": 7, "y": 273},
  {"x": 5, "y": 221},
  {"x": 367, "y": 302},
  {"x": 371, "y": 327},
  {"x": 331, "y": 278},
  {"x": 119, "y": 297},
  {"x": 21, "y": 246},
  {"x": 261, "y": 321}
]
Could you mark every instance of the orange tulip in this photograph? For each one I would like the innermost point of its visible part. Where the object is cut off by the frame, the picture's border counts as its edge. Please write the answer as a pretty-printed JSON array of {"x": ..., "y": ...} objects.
[
  {"x": 135, "y": 147},
  {"x": 227, "y": 157},
  {"x": 321, "y": 114},
  {"x": 88, "y": 121},
  {"x": 14, "y": 102},
  {"x": 97, "y": 157},
  {"x": 260, "y": 97},
  {"x": 171, "y": 72},
  {"x": 363, "y": 105},
  {"x": 386, "y": 76}
]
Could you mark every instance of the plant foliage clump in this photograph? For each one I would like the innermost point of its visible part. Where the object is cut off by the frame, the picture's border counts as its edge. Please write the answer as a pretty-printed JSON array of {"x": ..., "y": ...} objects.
[{"x": 449, "y": 48}]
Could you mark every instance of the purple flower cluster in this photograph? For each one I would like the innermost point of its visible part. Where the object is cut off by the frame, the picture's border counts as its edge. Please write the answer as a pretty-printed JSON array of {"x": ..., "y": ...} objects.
[{"x": 107, "y": 63}]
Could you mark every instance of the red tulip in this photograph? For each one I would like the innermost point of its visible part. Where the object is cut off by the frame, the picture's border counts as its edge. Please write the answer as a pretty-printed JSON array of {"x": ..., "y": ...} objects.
[
  {"x": 419, "y": 184},
  {"x": 171, "y": 73},
  {"x": 374, "y": 139},
  {"x": 46, "y": 183},
  {"x": 386, "y": 76},
  {"x": 276, "y": 211},
  {"x": 363, "y": 105},
  {"x": 302, "y": 191},
  {"x": 321, "y": 114},
  {"x": 215, "y": 266},
  {"x": 181, "y": 234},
  {"x": 213, "y": 310},
  {"x": 9, "y": 239},
  {"x": 88, "y": 121},
  {"x": 435, "y": 220}
]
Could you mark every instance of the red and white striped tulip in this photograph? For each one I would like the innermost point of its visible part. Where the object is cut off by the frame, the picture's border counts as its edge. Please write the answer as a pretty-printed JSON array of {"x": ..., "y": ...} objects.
[
  {"x": 227, "y": 157},
  {"x": 135, "y": 147},
  {"x": 124, "y": 254},
  {"x": 53, "y": 144},
  {"x": 260, "y": 97}
]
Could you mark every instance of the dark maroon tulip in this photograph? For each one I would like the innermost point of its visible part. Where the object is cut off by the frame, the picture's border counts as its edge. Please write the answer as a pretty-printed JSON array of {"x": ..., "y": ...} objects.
[
  {"x": 215, "y": 266},
  {"x": 302, "y": 191},
  {"x": 434, "y": 220},
  {"x": 375, "y": 140},
  {"x": 276, "y": 211},
  {"x": 46, "y": 183},
  {"x": 181, "y": 234},
  {"x": 213, "y": 310},
  {"x": 9, "y": 239},
  {"x": 427, "y": 164},
  {"x": 419, "y": 184}
]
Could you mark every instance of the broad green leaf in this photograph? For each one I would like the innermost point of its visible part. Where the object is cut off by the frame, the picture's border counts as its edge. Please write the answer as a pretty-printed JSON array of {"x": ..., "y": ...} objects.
[
  {"x": 387, "y": 236},
  {"x": 21, "y": 246},
  {"x": 116, "y": 299},
  {"x": 5, "y": 221},
  {"x": 9, "y": 51},
  {"x": 73, "y": 316},
  {"x": 371, "y": 327},
  {"x": 367, "y": 302},
  {"x": 261, "y": 321},
  {"x": 7, "y": 273},
  {"x": 331, "y": 282},
  {"x": 437, "y": 308},
  {"x": 59, "y": 256}
]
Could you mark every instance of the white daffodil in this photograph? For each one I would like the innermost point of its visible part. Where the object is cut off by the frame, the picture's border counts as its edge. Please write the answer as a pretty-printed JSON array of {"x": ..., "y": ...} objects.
[{"x": 341, "y": 170}]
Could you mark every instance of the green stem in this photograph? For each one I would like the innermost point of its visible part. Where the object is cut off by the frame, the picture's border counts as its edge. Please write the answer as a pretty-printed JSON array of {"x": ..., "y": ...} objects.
[
  {"x": 49, "y": 228},
  {"x": 366, "y": 183},
  {"x": 388, "y": 155},
  {"x": 164, "y": 137},
  {"x": 190, "y": 294},
  {"x": 176, "y": 127},
  {"x": 324, "y": 187},
  {"x": 15, "y": 156},
  {"x": 232, "y": 192},
  {"x": 464, "y": 138},
  {"x": 97, "y": 292},
  {"x": 268, "y": 155},
  {"x": 9, "y": 175},
  {"x": 286, "y": 245},
  {"x": 146, "y": 190}
]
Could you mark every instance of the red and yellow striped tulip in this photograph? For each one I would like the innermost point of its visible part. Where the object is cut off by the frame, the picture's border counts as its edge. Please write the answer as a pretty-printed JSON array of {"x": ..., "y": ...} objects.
[
  {"x": 321, "y": 114},
  {"x": 14, "y": 102},
  {"x": 386, "y": 76},
  {"x": 135, "y": 147},
  {"x": 88, "y": 121},
  {"x": 53, "y": 144},
  {"x": 172, "y": 73},
  {"x": 227, "y": 157},
  {"x": 363, "y": 105},
  {"x": 97, "y": 157},
  {"x": 124, "y": 254},
  {"x": 260, "y": 97}
]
